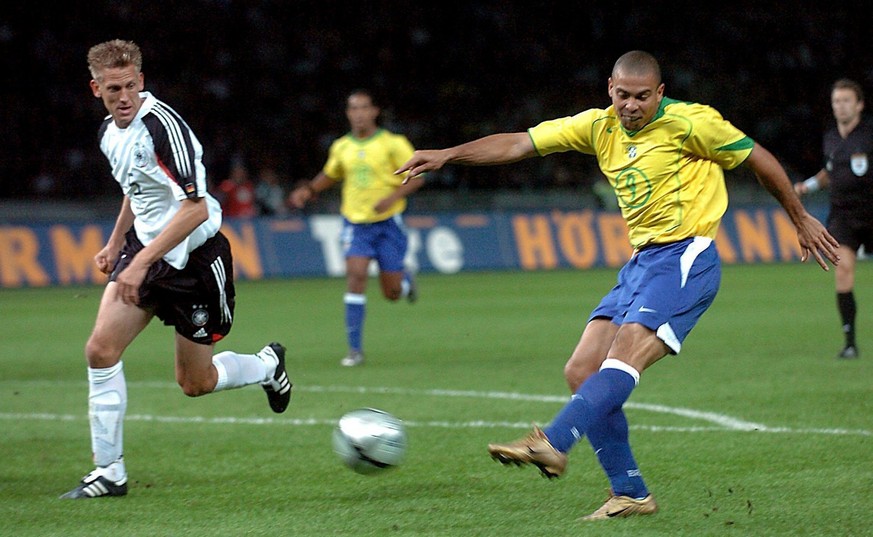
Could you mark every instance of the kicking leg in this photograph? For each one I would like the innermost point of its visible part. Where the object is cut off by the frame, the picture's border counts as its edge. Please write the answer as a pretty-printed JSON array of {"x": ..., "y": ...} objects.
[{"x": 198, "y": 372}]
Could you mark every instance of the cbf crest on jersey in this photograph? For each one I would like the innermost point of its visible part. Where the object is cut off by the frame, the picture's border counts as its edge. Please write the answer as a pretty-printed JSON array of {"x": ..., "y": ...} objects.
[
  {"x": 631, "y": 152},
  {"x": 859, "y": 164}
]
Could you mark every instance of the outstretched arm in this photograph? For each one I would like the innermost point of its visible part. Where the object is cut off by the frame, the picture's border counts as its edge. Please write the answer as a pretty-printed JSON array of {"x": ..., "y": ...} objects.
[
  {"x": 494, "y": 149},
  {"x": 811, "y": 234}
]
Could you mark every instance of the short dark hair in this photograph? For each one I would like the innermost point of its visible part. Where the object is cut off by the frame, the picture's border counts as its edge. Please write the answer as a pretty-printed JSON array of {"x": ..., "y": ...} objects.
[
  {"x": 638, "y": 62},
  {"x": 849, "y": 84},
  {"x": 363, "y": 92}
]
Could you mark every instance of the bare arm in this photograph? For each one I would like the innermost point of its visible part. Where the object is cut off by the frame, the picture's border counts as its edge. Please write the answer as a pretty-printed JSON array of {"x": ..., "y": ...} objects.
[
  {"x": 494, "y": 149},
  {"x": 811, "y": 234},
  {"x": 408, "y": 187},
  {"x": 191, "y": 214},
  {"x": 302, "y": 194},
  {"x": 820, "y": 180},
  {"x": 106, "y": 258}
]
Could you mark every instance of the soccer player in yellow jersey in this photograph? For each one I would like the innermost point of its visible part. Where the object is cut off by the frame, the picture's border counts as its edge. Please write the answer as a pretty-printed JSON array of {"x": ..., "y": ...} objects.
[
  {"x": 373, "y": 201},
  {"x": 665, "y": 161}
]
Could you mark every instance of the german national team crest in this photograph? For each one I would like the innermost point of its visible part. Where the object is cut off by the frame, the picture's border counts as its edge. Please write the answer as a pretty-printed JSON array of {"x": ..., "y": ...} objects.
[
  {"x": 140, "y": 156},
  {"x": 199, "y": 317},
  {"x": 859, "y": 164}
]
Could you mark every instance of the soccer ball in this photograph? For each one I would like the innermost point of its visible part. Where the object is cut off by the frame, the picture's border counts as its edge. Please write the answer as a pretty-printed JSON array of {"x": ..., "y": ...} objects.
[{"x": 369, "y": 440}]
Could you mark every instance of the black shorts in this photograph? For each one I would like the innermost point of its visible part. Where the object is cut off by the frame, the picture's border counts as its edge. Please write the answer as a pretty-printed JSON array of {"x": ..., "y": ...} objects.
[
  {"x": 197, "y": 300},
  {"x": 851, "y": 230}
]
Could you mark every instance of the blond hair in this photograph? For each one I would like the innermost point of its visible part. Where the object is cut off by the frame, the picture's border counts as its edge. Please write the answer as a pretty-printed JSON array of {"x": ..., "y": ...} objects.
[{"x": 111, "y": 54}]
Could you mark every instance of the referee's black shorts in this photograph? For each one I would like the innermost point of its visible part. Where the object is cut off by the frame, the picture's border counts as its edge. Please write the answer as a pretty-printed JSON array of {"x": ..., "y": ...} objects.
[
  {"x": 197, "y": 300},
  {"x": 851, "y": 230}
]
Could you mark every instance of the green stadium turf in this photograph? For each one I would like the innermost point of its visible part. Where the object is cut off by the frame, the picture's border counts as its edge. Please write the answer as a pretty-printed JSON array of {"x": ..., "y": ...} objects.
[{"x": 755, "y": 429}]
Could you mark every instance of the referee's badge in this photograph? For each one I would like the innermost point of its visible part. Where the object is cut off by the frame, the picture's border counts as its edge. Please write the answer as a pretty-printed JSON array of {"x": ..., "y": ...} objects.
[{"x": 859, "y": 164}]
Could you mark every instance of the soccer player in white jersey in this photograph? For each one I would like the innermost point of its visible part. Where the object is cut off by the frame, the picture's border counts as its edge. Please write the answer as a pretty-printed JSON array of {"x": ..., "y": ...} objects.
[
  {"x": 166, "y": 257},
  {"x": 664, "y": 159}
]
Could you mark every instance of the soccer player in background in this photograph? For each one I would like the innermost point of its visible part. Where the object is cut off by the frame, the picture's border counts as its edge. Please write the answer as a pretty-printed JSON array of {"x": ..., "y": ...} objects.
[
  {"x": 848, "y": 148},
  {"x": 664, "y": 158},
  {"x": 373, "y": 201},
  {"x": 165, "y": 257}
]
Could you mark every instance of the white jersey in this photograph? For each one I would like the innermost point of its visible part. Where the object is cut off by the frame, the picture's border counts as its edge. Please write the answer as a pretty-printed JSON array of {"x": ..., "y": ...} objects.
[{"x": 157, "y": 160}]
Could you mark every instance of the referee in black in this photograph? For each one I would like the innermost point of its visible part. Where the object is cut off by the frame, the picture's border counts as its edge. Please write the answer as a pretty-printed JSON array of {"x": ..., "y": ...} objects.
[{"x": 847, "y": 173}]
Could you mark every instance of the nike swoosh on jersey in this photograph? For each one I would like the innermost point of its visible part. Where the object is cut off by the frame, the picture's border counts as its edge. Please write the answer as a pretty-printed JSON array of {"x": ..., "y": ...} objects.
[{"x": 644, "y": 309}]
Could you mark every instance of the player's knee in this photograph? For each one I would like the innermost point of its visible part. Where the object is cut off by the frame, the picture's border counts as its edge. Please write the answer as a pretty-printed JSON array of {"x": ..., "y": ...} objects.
[
  {"x": 575, "y": 374},
  {"x": 573, "y": 378},
  {"x": 193, "y": 387},
  {"x": 356, "y": 281},
  {"x": 99, "y": 354}
]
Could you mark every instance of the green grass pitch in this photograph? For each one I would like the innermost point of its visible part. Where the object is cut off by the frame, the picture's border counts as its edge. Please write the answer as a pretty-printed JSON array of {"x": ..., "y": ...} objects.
[{"x": 755, "y": 429}]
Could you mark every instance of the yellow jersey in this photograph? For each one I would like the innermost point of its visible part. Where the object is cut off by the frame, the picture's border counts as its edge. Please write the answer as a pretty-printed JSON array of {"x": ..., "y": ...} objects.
[
  {"x": 366, "y": 168},
  {"x": 668, "y": 176}
]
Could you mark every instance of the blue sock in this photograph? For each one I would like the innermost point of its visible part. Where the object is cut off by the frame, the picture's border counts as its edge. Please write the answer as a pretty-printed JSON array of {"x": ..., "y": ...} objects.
[
  {"x": 609, "y": 438},
  {"x": 600, "y": 395},
  {"x": 355, "y": 311}
]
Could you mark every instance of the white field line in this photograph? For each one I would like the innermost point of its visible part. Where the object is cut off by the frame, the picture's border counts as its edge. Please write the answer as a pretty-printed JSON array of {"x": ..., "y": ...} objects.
[{"x": 717, "y": 422}]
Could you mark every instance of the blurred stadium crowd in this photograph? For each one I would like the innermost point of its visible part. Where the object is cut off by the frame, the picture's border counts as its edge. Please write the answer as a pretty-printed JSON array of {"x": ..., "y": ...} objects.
[{"x": 263, "y": 82}]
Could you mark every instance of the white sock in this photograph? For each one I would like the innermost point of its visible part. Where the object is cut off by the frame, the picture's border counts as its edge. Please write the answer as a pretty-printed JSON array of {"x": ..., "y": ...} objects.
[
  {"x": 107, "y": 403},
  {"x": 115, "y": 472},
  {"x": 614, "y": 363},
  {"x": 237, "y": 370}
]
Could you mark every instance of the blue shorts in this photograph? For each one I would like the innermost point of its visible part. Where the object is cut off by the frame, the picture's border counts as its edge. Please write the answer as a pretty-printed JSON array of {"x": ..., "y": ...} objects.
[
  {"x": 666, "y": 288},
  {"x": 384, "y": 241}
]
